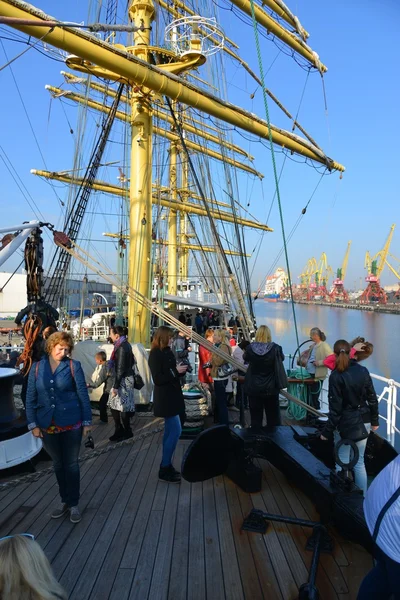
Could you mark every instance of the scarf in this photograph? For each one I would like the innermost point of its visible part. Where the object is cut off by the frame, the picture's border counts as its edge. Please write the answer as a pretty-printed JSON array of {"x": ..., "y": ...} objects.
[{"x": 117, "y": 344}]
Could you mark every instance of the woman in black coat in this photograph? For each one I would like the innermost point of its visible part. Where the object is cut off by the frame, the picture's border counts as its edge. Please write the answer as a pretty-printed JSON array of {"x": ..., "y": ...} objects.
[
  {"x": 168, "y": 399},
  {"x": 121, "y": 400},
  {"x": 352, "y": 402},
  {"x": 260, "y": 381}
]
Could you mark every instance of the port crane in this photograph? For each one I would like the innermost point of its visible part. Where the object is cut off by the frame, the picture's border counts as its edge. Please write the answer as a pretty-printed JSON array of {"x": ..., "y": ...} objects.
[
  {"x": 375, "y": 265},
  {"x": 338, "y": 293},
  {"x": 317, "y": 290},
  {"x": 395, "y": 272},
  {"x": 305, "y": 278}
]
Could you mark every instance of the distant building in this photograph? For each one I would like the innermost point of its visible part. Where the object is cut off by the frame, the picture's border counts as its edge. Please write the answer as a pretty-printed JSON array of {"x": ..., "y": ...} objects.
[
  {"x": 13, "y": 296},
  {"x": 275, "y": 283}
]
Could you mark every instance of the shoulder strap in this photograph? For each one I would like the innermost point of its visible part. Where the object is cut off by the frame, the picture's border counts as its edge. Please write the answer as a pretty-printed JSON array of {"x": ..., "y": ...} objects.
[
  {"x": 71, "y": 366},
  {"x": 383, "y": 512},
  {"x": 37, "y": 369}
]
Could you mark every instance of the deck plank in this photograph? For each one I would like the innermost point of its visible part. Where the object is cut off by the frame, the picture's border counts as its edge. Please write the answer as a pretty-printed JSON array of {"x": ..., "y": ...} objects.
[
  {"x": 196, "y": 589},
  {"x": 103, "y": 564},
  {"x": 140, "y": 538},
  {"x": 214, "y": 576},
  {"x": 180, "y": 547},
  {"x": 266, "y": 575},
  {"x": 291, "y": 506},
  {"x": 250, "y": 582},
  {"x": 230, "y": 566}
]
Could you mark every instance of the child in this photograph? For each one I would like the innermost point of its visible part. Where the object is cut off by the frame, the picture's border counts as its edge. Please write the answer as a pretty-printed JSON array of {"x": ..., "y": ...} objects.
[{"x": 101, "y": 375}]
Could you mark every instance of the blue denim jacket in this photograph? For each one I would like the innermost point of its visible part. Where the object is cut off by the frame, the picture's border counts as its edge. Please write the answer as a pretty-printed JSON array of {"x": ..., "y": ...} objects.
[{"x": 57, "y": 396}]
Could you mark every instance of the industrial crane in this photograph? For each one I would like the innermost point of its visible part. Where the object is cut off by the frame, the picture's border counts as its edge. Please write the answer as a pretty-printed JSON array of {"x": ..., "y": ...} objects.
[
  {"x": 375, "y": 265},
  {"x": 395, "y": 273},
  {"x": 338, "y": 293},
  {"x": 317, "y": 290},
  {"x": 305, "y": 278}
]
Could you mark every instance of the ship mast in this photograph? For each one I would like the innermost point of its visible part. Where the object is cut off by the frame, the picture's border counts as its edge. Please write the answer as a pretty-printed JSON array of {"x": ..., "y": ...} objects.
[{"x": 141, "y": 12}]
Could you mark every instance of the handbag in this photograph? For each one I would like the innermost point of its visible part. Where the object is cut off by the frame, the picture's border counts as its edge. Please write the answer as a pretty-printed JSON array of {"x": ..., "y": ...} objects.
[
  {"x": 281, "y": 381},
  {"x": 351, "y": 425},
  {"x": 304, "y": 357},
  {"x": 225, "y": 370},
  {"x": 138, "y": 382}
]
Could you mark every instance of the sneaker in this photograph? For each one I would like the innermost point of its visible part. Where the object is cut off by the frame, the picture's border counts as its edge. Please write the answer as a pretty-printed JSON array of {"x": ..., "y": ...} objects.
[
  {"x": 60, "y": 511},
  {"x": 169, "y": 475},
  {"x": 128, "y": 435},
  {"x": 75, "y": 515}
]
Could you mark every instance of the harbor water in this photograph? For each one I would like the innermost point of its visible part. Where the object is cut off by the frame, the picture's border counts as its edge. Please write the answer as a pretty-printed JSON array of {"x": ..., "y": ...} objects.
[{"x": 382, "y": 330}]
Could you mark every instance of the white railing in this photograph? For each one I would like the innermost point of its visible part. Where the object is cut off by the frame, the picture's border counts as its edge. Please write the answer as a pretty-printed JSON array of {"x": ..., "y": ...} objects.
[{"x": 388, "y": 395}]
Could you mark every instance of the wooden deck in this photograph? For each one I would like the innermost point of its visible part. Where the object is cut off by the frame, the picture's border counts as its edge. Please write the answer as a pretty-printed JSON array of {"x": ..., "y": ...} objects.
[{"x": 140, "y": 538}]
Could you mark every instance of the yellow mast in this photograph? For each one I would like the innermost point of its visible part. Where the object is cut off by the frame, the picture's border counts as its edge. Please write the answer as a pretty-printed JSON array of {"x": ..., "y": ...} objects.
[
  {"x": 140, "y": 195},
  {"x": 184, "y": 254},
  {"x": 115, "y": 63},
  {"x": 172, "y": 222}
]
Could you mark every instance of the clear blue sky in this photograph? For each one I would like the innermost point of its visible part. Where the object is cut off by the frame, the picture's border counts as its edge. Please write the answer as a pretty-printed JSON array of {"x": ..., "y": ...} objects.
[{"x": 357, "y": 40}]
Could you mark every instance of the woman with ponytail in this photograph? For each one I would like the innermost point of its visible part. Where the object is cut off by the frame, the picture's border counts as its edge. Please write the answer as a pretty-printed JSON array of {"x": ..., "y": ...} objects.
[{"x": 353, "y": 408}]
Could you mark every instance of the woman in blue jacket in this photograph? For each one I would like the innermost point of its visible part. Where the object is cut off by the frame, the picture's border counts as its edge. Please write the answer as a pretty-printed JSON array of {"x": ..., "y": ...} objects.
[{"x": 58, "y": 410}]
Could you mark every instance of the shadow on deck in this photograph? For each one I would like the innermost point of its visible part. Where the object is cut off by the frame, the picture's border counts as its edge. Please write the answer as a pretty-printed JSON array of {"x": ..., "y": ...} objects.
[{"x": 140, "y": 538}]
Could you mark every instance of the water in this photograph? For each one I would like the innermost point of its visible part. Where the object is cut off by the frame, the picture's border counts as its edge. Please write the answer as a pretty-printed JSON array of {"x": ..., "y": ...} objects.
[{"x": 382, "y": 330}]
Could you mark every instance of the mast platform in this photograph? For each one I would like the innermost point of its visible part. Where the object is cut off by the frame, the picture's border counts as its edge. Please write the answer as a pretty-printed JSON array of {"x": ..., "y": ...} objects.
[{"x": 141, "y": 538}]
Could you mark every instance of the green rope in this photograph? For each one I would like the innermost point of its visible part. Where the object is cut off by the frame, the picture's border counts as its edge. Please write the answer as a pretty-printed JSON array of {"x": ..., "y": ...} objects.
[{"x": 278, "y": 195}]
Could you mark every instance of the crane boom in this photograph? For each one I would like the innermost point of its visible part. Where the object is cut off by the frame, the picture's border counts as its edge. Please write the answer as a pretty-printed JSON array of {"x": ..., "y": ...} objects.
[
  {"x": 345, "y": 261},
  {"x": 384, "y": 252}
]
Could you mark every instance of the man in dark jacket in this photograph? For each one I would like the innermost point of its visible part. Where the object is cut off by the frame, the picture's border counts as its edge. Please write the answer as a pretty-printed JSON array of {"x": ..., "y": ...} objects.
[{"x": 260, "y": 382}]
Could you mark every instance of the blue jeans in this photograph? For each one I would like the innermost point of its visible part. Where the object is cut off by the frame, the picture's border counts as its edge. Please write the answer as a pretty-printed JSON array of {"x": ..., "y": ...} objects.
[
  {"x": 172, "y": 433},
  {"x": 220, "y": 401},
  {"x": 383, "y": 582},
  {"x": 64, "y": 450},
  {"x": 360, "y": 473}
]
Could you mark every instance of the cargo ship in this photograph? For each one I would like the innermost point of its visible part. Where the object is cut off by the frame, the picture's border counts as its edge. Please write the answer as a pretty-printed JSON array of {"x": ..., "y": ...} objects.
[{"x": 274, "y": 284}]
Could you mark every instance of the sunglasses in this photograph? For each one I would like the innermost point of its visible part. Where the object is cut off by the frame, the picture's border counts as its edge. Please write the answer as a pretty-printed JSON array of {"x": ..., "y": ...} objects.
[{"x": 27, "y": 535}]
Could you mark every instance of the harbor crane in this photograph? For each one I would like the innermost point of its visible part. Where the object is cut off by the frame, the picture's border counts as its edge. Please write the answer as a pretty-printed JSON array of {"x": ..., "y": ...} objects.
[
  {"x": 395, "y": 272},
  {"x": 317, "y": 290},
  {"x": 338, "y": 293},
  {"x": 375, "y": 265},
  {"x": 305, "y": 278}
]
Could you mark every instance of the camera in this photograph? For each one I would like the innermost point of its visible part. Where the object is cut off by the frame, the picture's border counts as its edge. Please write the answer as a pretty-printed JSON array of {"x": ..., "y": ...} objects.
[
  {"x": 89, "y": 442},
  {"x": 186, "y": 361}
]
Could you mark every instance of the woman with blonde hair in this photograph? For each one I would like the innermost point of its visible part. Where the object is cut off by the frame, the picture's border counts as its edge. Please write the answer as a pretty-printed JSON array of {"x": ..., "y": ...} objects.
[
  {"x": 168, "y": 401},
  {"x": 260, "y": 383},
  {"x": 58, "y": 410},
  {"x": 318, "y": 352},
  {"x": 25, "y": 572},
  {"x": 219, "y": 377}
]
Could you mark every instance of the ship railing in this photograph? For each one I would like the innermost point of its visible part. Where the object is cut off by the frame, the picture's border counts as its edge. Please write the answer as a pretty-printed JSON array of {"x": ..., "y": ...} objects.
[{"x": 389, "y": 396}]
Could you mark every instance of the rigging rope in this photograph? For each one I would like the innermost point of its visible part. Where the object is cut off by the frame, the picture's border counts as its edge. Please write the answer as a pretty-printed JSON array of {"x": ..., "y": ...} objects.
[{"x": 275, "y": 170}]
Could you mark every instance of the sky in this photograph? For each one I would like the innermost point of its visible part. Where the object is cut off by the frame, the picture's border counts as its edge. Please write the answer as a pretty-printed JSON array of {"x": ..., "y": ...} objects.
[{"x": 357, "y": 40}]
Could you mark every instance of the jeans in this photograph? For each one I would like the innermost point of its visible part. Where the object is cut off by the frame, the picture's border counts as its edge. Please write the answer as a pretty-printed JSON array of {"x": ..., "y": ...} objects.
[
  {"x": 360, "y": 473},
  {"x": 220, "y": 401},
  {"x": 383, "y": 581},
  {"x": 269, "y": 403},
  {"x": 64, "y": 450},
  {"x": 172, "y": 433}
]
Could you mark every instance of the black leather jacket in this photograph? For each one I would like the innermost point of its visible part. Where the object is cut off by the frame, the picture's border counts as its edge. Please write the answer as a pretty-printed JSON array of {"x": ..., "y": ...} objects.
[
  {"x": 352, "y": 388},
  {"x": 123, "y": 363}
]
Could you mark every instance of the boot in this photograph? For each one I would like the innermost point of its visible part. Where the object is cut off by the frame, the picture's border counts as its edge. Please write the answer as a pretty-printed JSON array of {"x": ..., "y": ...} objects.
[
  {"x": 119, "y": 431},
  {"x": 126, "y": 421},
  {"x": 169, "y": 475}
]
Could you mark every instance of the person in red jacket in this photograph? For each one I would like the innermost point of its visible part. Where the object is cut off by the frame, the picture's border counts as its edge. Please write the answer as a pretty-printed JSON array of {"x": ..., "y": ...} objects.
[{"x": 204, "y": 374}]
